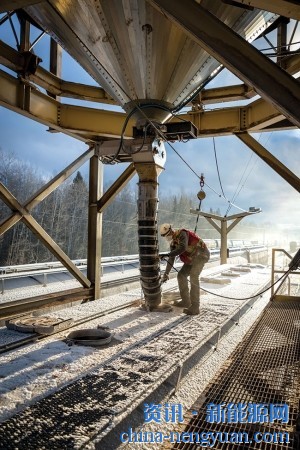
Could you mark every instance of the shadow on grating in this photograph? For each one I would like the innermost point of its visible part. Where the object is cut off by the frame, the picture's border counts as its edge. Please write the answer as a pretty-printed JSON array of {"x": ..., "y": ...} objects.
[{"x": 263, "y": 370}]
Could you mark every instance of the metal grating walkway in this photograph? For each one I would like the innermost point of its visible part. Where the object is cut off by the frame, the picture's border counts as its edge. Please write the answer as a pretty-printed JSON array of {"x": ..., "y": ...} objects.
[{"x": 264, "y": 369}]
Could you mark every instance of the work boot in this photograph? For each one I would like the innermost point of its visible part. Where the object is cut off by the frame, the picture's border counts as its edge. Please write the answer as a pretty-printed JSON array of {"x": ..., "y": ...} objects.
[
  {"x": 156, "y": 308},
  {"x": 182, "y": 304},
  {"x": 161, "y": 308},
  {"x": 193, "y": 310}
]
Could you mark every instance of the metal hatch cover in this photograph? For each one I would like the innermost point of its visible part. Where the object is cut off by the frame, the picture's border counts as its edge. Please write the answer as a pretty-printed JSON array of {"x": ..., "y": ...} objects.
[{"x": 41, "y": 325}]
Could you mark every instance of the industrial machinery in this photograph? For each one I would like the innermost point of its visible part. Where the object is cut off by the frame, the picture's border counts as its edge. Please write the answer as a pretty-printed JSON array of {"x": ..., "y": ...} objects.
[{"x": 152, "y": 58}]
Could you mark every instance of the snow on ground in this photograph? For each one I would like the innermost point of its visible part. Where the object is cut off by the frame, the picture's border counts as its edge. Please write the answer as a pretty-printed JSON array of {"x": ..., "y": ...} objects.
[
  {"x": 36, "y": 370},
  {"x": 196, "y": 381}
]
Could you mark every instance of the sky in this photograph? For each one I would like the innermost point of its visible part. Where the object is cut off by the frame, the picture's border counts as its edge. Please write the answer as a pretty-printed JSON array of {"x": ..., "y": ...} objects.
[{"x": 241, "y": 171}]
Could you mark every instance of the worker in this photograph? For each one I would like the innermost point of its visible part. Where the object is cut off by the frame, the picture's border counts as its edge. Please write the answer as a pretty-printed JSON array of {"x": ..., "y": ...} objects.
[{"x": 194, "y": 253}]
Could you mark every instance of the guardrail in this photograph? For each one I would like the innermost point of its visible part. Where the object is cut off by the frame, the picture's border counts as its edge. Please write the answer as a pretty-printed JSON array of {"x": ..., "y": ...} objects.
[
  {"x": 281, "y": 271},
  {"x": 44, "y": 269},
  {"x": 50, "y": 268}
]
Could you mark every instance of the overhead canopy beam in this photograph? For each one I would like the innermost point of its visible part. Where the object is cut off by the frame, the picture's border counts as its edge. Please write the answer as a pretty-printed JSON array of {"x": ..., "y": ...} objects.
[
  {"x": 70, "y": 89},
  {"x": 286, "y": 8},
  {"x": 221, "y": 122},
  {"x": 10, "y": 5},
  {"x": 240, "y": 91},
  {"x": 240, "y": 57},
  {"x": 273, "y": 162},
  {"x": 88, "y": 124},
  {"x": 225, "y": 94},
  {"x": 16, "y": 61},
  {"x": 79, "y": 122}
]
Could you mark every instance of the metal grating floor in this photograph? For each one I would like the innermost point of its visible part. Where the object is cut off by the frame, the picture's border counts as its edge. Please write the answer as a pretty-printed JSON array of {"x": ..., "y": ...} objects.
[{"x": 264, "y": 369}]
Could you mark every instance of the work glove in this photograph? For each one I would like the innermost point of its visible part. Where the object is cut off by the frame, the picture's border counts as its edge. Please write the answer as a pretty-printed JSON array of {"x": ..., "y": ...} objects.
[
  {"x": 165, "y": 278},
  {"x": 164, "y": 257}
]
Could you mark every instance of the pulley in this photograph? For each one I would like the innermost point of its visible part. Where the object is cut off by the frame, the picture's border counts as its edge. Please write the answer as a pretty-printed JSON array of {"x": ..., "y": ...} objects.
[{"x": 201, "y": 194}]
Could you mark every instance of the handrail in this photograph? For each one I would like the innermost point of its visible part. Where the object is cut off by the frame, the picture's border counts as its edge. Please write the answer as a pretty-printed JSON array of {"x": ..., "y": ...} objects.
[
  {"x": 282, "y": 250},
  {"x": 47, "y": 268}
]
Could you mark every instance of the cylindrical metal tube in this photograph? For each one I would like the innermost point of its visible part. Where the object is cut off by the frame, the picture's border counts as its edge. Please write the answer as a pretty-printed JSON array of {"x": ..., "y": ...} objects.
[{"x": 148, "y": 240}]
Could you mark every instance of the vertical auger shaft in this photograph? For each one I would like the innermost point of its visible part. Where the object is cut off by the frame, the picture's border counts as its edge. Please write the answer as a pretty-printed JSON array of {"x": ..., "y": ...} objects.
[{"x": 148, "y": 242}]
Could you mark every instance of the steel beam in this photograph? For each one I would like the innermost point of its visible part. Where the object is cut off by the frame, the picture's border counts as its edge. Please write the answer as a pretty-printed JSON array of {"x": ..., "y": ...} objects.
[
  {"x": 78, "y": 122},
  {"x": 24, "y": 35},
  {"x": 11, "y": 58},
  {"x": 240, "y": 57},
  {"x": 233, "y": 224},
  {"x": 14, "y": 60},
  {"x": 116, "y": 187},
  {"x": 224, "y": 228},
  {"x": 225, "y": 94},
  {"x": 95, "y": 225},
  {"x": 273, "y": 162},
  {"x": 281, "y": 42},
  {"x": 53, "y": 84},
  {"x": 41, "y": 234},
  {"x": 241, "y": 91},
  {"x": 55, "y": 62},
  {"x": 221, "y": 122},
  {"x": 286, "y": 8},
  {"x": 10, "y": 5},
  {"x": 46, "y": 190},
  {"x": 70, "y": 89},
  {"x": 260, "y": 114},
  {"x": 87, "y": 124}
]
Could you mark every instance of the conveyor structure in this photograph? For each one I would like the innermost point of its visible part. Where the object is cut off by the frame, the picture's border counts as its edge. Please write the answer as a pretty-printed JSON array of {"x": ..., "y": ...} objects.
[
  {"x": 89, "y": 410},
  {"x": 152, "y": 58}
]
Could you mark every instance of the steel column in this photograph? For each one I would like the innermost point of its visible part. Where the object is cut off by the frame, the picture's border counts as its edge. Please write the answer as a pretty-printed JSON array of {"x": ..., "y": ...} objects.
[
  {"x": 55, "y": 61},
  {"x": 223, "y": 251},
  {"x": 273, "y": 162},
  {"x": 95, "y": 225},
  {"x": 240, "y": 57},
  {"x": 281, "y": 43},
  {"x": 24, "y": 90},
  {"x": 24, "y": 35}
]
